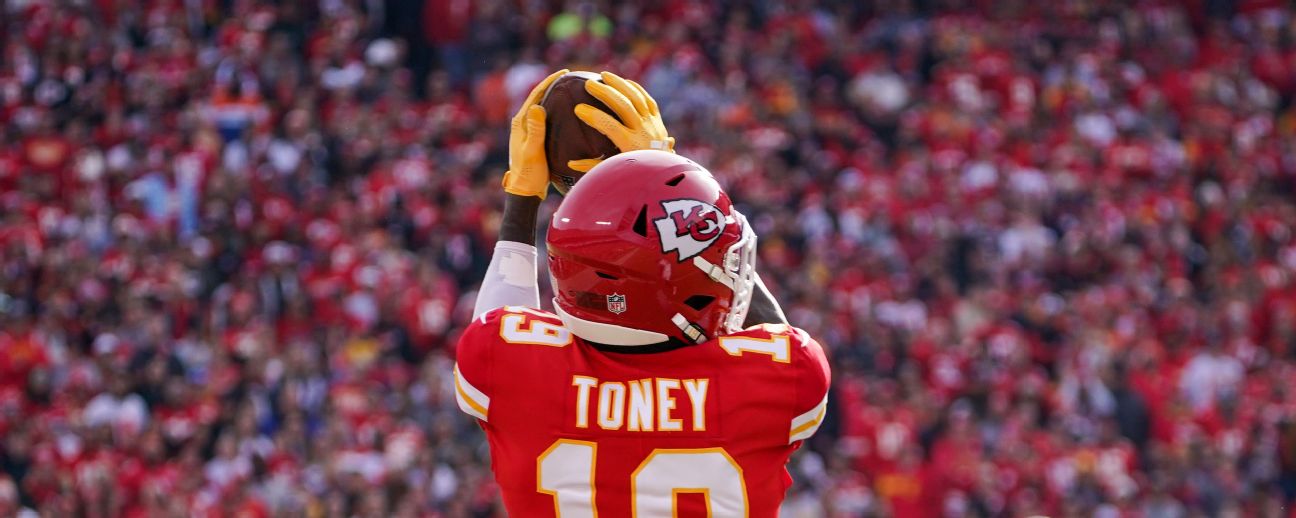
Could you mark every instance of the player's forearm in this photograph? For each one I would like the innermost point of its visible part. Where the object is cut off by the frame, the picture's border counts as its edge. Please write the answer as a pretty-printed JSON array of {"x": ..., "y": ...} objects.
[
  {"x": 764, "y": 309},
  {"x": 519, "y": 222},
  {"x": 511, "y": 276}
]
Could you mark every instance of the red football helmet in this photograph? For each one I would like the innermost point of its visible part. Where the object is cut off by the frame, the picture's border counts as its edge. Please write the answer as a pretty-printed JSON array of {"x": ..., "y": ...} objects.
[{"x": 645, "y": 248}]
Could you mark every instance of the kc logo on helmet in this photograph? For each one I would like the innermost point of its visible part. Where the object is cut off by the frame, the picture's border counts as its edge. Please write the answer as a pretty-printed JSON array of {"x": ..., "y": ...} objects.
[{"x": 690, "y": 226}]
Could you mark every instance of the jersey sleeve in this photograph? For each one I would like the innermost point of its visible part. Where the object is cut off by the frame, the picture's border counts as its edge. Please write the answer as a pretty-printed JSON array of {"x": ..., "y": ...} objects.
[
  {"x": 472, "y": 370},
  {"x": 510, "y": 279},
  {"x": 812, "y": 380}
]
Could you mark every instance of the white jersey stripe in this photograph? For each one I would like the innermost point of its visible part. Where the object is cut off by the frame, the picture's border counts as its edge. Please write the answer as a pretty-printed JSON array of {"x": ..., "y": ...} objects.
[
  {"x": 472, "y": 401},
  {"x": 805, "y": 425}
]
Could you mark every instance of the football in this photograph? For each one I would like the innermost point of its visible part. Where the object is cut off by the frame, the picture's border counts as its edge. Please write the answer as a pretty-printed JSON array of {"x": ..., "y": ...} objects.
[{"x": 566, "y": 136}]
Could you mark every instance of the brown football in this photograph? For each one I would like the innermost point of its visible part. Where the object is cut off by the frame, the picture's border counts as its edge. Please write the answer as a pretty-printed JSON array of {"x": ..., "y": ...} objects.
[{"x": 566, "y": 136}]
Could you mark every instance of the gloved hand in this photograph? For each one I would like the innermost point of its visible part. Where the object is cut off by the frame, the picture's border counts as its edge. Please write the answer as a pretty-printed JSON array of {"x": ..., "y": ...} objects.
[
  {"x": 528, "y": 173},
  {"x": 643, "y": 127}
]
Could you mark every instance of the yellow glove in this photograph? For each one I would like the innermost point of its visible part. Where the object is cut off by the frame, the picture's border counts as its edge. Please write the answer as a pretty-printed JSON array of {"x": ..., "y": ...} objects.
[
  {"x": 643, "y": 127},
  {"x": 528, "y": 173}
]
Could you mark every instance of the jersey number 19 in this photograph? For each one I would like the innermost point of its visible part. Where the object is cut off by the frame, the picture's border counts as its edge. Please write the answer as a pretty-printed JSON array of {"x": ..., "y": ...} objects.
[{"x": 566, "y": 471}]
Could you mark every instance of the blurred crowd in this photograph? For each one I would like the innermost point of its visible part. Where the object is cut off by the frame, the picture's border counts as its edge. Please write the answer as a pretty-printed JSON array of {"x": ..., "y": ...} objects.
[{"x": 1049, "y": 245}]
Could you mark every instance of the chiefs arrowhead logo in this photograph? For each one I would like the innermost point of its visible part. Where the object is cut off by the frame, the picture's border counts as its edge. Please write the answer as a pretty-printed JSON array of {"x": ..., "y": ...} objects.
[{"x": 689, "y": 227}]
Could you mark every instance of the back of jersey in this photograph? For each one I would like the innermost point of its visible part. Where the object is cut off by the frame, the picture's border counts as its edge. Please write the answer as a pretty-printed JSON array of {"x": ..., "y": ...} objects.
[{"x": 702, "y": 430}]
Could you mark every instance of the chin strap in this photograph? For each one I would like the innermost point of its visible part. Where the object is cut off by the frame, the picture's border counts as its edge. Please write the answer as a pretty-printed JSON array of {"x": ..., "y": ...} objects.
[
  {"x": 714, "y": 271},
  {"x": 691, "y": 330}
]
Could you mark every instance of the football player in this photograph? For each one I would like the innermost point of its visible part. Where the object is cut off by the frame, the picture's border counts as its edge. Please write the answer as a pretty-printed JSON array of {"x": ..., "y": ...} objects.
[{"x": 645, "y": 394}]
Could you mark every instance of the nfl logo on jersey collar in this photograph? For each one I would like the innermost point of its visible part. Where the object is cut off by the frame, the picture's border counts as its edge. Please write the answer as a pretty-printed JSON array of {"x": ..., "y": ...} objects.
[{"x": 616, "y": 303}]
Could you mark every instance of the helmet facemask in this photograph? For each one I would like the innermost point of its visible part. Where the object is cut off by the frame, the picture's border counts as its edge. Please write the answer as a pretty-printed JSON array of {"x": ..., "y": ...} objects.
[{"x": 738, "y": 273}]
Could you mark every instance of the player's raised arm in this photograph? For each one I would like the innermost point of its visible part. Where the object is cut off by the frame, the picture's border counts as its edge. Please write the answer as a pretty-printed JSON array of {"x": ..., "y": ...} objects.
[
  {"x": 764, "y": 308},
  {"x": 511, "y": 277}
]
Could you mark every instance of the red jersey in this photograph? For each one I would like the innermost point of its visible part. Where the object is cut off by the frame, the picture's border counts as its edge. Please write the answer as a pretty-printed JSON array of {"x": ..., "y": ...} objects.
[{"x": 702, "y": 430}]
